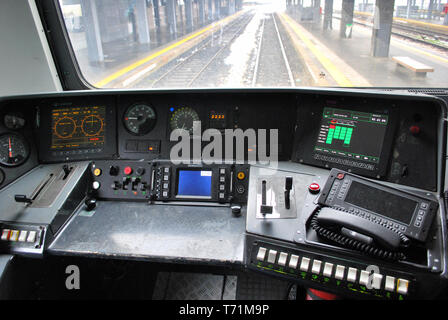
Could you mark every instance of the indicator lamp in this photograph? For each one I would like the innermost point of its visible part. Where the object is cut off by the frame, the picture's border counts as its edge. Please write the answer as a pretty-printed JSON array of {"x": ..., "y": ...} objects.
[
  {"x": 241, "y": 175},
  {"x": 415, "y": 130}
]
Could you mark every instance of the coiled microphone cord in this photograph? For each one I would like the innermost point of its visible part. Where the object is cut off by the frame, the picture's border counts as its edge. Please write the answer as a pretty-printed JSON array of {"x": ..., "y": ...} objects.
[{"x": 357, "y": 245}]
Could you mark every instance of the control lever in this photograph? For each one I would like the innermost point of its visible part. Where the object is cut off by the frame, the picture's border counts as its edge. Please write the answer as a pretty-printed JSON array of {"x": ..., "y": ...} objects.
[
  {"x": 288, "y": 187},
  {"x": 264, "y": 209},
  {"x": 22, "y": 198},
  {"x": 67, "y": 171}
]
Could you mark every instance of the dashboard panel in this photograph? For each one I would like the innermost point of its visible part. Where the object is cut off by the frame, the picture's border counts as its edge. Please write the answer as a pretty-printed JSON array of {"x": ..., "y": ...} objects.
[
  {"x": 75, "y": 153},
  {"x": 378, "y": 136},
  {"x": 182, "y": 110}
]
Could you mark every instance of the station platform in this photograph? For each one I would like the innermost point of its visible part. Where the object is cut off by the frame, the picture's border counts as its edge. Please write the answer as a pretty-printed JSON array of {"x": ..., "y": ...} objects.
[
  {"x": 353, "y": 55},
  {"x": 431, "y": 24},
  {"x": 124, "y": 55}
]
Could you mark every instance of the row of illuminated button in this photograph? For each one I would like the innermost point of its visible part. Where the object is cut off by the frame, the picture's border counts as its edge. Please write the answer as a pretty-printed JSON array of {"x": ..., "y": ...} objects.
[
  {"x": 391, "y": 284},
  {"x": 18, "y": 235},
  {"x": 73, "y": 152},
  {"x": 165, "y": 172},
  {"x": 222, "y": 181}
]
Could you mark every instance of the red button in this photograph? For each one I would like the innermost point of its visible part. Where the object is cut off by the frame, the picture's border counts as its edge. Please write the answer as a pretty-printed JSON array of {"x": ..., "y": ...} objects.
[
  {"x": 415, "y": 130},
  {"x": 127, "y": 170},
  {"x": 314, "y": 188},
  {"x": 340, "y": 176}
]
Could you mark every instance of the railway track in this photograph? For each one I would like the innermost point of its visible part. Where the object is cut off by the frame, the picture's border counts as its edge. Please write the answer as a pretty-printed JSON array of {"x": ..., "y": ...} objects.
[
  {"x": 267, "y": 71},
  {"x": 418, "y": 34},
  {"x": 188, "y": 69}
]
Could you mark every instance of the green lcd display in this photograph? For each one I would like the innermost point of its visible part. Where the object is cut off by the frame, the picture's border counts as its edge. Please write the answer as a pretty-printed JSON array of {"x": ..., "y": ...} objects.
[{"x": 352, "y": 134}]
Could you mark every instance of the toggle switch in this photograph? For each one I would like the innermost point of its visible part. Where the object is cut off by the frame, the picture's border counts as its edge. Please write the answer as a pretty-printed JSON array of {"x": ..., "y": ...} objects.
[
  {"x": 116, "y": 185},
  {"x": 143, "y": 186},
  {"x": 135, "y": 182},
  {"x": 126, "y": 181}
]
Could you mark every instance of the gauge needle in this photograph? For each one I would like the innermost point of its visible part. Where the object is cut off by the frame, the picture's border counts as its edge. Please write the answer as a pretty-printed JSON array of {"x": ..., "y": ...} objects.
[{"x": 10, "y": 149}]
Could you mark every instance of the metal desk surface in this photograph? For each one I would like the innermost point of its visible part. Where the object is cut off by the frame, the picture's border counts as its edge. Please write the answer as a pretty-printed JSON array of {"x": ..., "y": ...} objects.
[{"x": 162, "y": 233}]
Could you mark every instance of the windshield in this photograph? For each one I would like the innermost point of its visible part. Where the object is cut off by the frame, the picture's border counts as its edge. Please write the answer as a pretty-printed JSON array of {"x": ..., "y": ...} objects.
[{"x": 277, "y": 43}]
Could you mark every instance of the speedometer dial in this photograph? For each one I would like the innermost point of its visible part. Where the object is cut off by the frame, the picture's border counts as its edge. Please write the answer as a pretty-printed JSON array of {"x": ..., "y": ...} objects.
[
  {"x": 13, "y": 150},
  {"x": 184, "y": 118},
  {"x": 140, "y": 119}
]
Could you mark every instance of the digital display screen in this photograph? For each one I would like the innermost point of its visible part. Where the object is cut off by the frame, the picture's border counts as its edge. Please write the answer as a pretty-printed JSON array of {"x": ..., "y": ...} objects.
[
  {"x": 218, "y": 119},
  {"x": 78, "y": 127},
  {"x": 384, "y": 203},
  {"x": 194, "y": 183},
  {"x": 352, "y": 135}
]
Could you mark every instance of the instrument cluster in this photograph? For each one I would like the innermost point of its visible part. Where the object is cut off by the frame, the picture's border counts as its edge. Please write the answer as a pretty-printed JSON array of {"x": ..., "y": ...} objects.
[
  {"x": 325, "y": 130},
  {"x": 17, "y": 154},
  {"x": 146, "y": 123}
]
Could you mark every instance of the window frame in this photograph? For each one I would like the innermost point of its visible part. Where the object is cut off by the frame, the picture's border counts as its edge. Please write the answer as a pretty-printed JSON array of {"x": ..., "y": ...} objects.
[{"x": 60, "y": 45}]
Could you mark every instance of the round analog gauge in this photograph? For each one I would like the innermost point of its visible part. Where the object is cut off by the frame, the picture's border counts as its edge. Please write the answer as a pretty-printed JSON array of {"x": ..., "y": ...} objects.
[
  {"x": 13, "y": 150},
  {"x": 184, "y": 118},
  {"x": 92, "y": 125},
  {"x": 139, "y": 119},
  {"x": 14, "y": 121},
  {"x": 65, "y": 127}
]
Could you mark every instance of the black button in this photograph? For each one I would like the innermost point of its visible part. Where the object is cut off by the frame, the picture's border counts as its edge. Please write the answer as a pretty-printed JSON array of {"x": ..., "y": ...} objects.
[{"x": 113, "y": 171}]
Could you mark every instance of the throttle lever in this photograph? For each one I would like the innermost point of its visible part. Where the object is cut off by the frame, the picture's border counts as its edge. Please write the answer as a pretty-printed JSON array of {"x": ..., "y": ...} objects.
[
  {"x": 288, "y": 187},
  {"x": 264, "y": 209}
]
